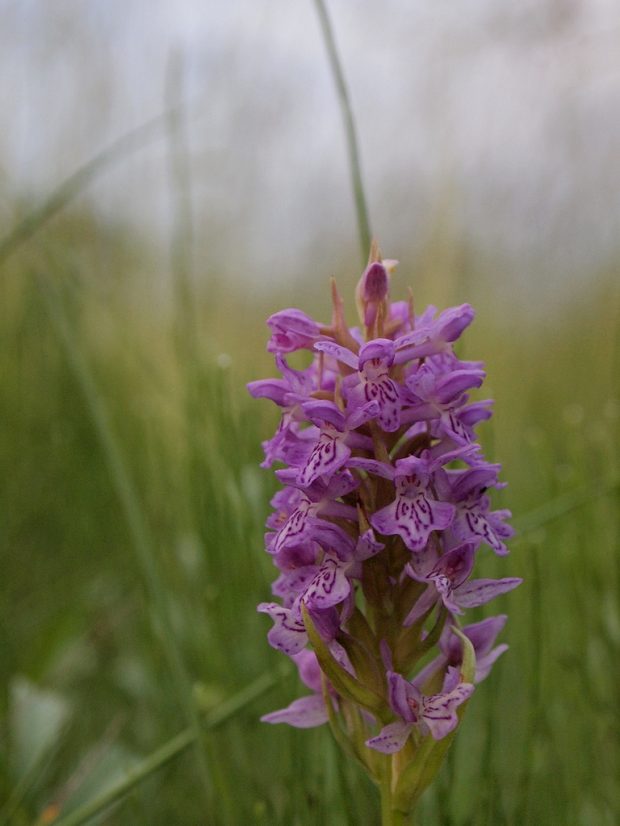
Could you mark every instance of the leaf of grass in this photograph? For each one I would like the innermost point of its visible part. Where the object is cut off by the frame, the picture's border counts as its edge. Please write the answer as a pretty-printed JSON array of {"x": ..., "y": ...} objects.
[
  {"x": 562, "y": 505},
  {"x": 172, "y": 749},
  {"x": 67, "y": 190},
  {"x": 361, "y": 208},
  {"x": 136, "y": 521}
]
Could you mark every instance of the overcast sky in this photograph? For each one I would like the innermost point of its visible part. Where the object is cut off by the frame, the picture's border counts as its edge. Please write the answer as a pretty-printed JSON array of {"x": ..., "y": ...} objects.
[{"x": 500, "y": 120}]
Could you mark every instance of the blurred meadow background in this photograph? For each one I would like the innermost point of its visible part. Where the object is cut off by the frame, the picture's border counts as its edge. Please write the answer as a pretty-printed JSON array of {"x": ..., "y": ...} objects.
[{"x": 171, "y": 174}]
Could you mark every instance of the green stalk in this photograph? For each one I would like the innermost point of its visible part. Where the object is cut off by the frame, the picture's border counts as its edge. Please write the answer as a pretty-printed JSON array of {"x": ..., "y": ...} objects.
[
  {"x": 182, "y": 233},
  {"x": 137, "y": 525},
  {"x": 361, "y": 208},
  {"x": 389, "y": 815},
  {"x": 169, "y": 751},
  {"x": 562, "y": 505},
  {"x": 155, "y": 761},
  {"x": 75, "y": 183}
]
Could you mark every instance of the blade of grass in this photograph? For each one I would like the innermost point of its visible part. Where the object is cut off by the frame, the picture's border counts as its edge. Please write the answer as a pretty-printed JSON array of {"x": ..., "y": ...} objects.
[
  {"x": 172, "y": 749},
  {"x": 182, "y": 234},
  {"x": 67, "y": 190},
  {"x": 136, "y": 521},
  {"x": 562, "y": 505},
  {"x": 361, "y": 208},
  {"x": 25, "y": 783}
]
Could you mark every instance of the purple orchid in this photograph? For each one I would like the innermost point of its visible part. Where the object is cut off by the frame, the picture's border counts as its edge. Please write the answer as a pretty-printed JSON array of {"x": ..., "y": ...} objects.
[
  {"x": 385, "y": 506},
  {"x": 289, "y": 632},
  {"x": 291, "y": 443},
  {"x": 435, "y": 714},
  {"x": 319, "y": 499},
  {"x": 482, "y": 636}
]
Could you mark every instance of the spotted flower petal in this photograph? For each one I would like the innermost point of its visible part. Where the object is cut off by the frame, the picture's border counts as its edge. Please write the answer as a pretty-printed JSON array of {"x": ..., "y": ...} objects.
[
  {"x": 329, "y": 586},
  {"x": 306, "y": 712},
  {"x": 480, "y": 591},
  {"x": 288, "y": 633},
  {"x": 439, "y": 712},
  {"x": 292, "y": 330},
  {"x": 413, "y": 518},
  {"x": 391, "y": 738}
]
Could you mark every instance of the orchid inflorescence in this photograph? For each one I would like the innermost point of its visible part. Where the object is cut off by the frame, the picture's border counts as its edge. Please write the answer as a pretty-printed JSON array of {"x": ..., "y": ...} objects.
[{"x": 376, "y": 529}]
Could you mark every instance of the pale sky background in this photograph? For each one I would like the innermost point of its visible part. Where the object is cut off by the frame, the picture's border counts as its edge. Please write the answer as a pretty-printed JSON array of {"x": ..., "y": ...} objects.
[{"x": 499, "y": 120}]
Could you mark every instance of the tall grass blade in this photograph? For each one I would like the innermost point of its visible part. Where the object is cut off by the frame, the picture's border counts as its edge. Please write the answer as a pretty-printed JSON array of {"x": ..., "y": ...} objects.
[
  {"x": 361, "y": 208},
  {"x": 172, "y": 749},
  {"x": 136, "y": 522},
  {"x": 132, "y": 141},
  {"x": 562, "y": 506}
]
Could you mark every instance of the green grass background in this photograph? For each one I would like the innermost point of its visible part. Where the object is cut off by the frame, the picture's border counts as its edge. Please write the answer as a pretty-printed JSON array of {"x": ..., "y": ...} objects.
[{"x": 131, "y": 520}]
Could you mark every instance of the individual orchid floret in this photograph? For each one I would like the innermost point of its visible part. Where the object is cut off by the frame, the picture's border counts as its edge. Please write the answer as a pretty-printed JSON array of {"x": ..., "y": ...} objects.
[
  {"x": 288, "y": 633},
  {"x": 371, "y": 381},
  {"x": 290, "y": 443},
  {"x": 292, "y": 330},
  {"x": 440, "y": 397},
  {"x": 474, "y": 518},
  {"x": 336, "y": 439},
  {"x": 435, "y": 714},
  {"x": 329, "y": 587},
  {"x": 482, "y": 636},
  {"x": 432, "y": 336},
  {"x": 449, "y": 578},
  {"x": 305, "y": 525},
  {"x": 294, "y": 386},
  {"x": 371, "y": 292},
  {"x": 414, "y": 513},
  {"x": 326, "y": 582}
]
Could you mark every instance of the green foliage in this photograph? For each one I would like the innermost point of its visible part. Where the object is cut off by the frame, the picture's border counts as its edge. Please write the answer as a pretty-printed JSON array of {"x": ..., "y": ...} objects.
[{"x": 89, "y": 680}]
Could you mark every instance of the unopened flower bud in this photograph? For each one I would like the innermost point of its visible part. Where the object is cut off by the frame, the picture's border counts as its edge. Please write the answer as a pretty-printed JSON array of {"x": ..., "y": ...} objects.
[{"x": 372, "y": 291}]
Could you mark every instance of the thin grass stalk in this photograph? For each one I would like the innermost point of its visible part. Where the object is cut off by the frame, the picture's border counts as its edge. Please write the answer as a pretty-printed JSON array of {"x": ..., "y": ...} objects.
[
  {"x": 562, "y": 505},
  {"x": 182, "y": 235},
  {"x": 123, "y": 146},
  {"x": 186, "y": 333},
  {"x": 359, "y": 196},
  {"x": 141, "y": 539},
  {"x": 172, "y": 749},
  {"x": 26, "y": 782}
]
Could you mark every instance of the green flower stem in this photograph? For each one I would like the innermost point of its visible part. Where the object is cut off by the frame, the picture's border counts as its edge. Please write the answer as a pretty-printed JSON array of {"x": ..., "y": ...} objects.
[{"x": 389, "y": 815}]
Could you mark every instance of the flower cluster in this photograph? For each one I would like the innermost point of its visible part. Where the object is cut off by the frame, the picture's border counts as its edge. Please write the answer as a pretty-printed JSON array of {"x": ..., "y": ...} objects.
[{"x": 382, "y": 512}]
